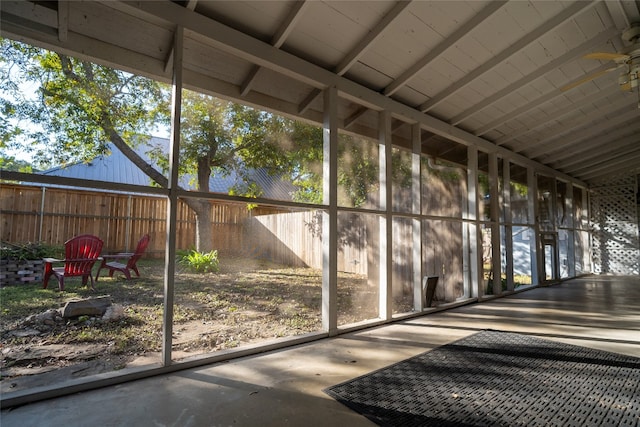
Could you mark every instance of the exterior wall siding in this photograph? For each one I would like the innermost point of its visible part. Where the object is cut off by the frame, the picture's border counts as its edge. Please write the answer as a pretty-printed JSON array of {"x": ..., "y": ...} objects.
[{"x": 616, "y": 246}]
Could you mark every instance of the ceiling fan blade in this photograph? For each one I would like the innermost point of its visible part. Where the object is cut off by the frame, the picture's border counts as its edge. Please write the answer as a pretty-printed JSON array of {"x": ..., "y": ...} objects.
[
  {"x": 607, "y": 56},
  {"x": 586, "y": 79}
]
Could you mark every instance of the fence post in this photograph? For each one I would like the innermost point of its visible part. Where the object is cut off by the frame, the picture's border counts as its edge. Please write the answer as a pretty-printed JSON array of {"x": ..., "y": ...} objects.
[
  {"x": 127, "y": 237},
  {"x": 44, "y": 190}
]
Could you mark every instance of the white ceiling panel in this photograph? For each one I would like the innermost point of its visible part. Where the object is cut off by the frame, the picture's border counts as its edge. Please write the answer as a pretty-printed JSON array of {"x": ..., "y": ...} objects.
[
  {"x": 363, "y": 14},
  {"x": 499, "y": 32},
  {"x": 525, "y": 15},
  {"x": 372, "y": 77},
  {"x": 202, "y": 58},
  {"x": 502, "y": 76},
  {"x": 444, "y": 16},
  {"x": 409, "y": 96},
  {"x": 261, "y": 19},
  {"x": 325, "y": 32},
  {"x": 429, "y": 82}
]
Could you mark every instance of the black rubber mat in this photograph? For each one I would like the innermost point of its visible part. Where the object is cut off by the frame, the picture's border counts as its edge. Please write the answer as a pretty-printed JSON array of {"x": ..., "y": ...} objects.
[{"x": 496, "y": 378}]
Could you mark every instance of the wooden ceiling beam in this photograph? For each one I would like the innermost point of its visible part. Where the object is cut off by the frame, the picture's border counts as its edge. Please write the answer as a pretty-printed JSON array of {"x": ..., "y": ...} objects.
[
  {"x": 277, "y": 41},
  {"x": 534, "y": 104},
  {"x": 404, "y": 78},
  {"x": 572, "y": 54},
  {"x": 371, "y": 36},
  {"x": 567, "y": 14},
  {"x": 600, "y": 127}
]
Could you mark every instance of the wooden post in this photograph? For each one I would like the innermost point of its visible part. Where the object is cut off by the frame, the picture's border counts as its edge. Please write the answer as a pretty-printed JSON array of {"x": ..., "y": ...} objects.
[
  {"x": 385, "y": 221},
  {"x": 172, "y": 202},
  {"x": 330, "y": 213}
]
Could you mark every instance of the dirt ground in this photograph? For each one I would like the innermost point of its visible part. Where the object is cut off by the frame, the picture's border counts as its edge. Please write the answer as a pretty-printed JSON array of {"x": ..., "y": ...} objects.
[{"x": 247, "y": 302}]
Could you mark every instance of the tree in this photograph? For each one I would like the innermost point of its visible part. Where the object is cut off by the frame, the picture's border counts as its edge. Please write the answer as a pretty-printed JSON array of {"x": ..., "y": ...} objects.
[
  {"x": 225, "y": 137},
  {"x": 77, "y": 106},
  {"x": 10, "y": 163},
  {"x": 80, "y": 106}
]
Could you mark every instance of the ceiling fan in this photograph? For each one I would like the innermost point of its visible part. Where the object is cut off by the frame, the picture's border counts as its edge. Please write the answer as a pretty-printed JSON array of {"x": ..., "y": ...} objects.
[{"x": 628, "y": 60}]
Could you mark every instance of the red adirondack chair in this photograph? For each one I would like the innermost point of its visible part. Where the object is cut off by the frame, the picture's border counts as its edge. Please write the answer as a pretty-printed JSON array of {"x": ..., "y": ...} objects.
[
  {"x": 80, "y": 253},
  {"x": 111, "y": 261}
]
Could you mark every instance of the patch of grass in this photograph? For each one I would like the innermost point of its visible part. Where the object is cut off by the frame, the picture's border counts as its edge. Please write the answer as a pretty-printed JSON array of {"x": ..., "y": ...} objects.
[
  {"x": 300, "y": 322},
  {"x": 22, "y": 300},
  {"x": 245, "y": 302}
]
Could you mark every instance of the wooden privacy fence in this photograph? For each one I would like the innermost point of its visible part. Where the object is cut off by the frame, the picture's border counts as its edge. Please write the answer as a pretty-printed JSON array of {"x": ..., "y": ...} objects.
[
  {"x": 295, "y": 238},
  {"x": 54, "y": 215}
]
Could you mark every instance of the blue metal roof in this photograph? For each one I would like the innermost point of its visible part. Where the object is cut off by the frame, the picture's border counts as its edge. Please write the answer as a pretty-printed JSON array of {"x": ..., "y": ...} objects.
[{"x": 116, "y": 167}]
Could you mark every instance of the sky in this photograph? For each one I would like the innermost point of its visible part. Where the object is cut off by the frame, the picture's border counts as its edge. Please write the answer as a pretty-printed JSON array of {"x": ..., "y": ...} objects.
[{"x": 29, "y": 91}]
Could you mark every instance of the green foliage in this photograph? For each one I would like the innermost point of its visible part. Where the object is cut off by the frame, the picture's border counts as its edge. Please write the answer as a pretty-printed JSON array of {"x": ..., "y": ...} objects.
[
  {"x": 301, "y": 156},
  {"x": 77, "y": 106},
  {"x": 10, "y": 163},
  {"x": 449, "y": 173},
  {"x": 401, "y": 171},
  {"x": 30, "y": 251},
  {"x": 199, "y": 262},
  {"x": 357, "y": 170},
  {"x": 521, "y": 189},
  {"x": 246, "y": 189}
]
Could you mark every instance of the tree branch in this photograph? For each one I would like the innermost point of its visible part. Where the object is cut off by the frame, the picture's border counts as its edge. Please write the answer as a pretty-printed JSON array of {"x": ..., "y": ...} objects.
[
  {"x": 145, "y": 167},
  {"x": 67, "y": 68}
]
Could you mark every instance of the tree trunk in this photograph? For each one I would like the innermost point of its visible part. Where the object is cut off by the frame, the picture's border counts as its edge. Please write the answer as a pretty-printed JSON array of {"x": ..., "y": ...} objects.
[
  {"x": 204, "y": 225},
  {"x": 124, "y": 148},
  {"x": 201, "y": 208}
]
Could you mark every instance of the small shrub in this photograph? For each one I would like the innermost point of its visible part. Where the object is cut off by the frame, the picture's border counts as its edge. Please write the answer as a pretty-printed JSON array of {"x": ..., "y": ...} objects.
[
  {"x": 200, "y": 262},
  {"x": 30, "y": 251}
]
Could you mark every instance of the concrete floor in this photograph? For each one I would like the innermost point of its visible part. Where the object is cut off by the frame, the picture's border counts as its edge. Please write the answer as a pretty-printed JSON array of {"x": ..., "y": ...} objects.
[{"x": 284, "y": 388}]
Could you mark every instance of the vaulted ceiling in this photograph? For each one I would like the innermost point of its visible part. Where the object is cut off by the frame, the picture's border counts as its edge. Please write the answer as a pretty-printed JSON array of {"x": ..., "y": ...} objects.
[{"x": 506, "y": 76}]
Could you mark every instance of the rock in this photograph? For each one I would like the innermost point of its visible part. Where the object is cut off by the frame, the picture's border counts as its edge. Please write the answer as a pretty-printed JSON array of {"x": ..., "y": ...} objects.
[
  {"x": 87, "y": 307},
  {"x": 40, "y": 317},
  {"x": 48, "y": 317},
  {"x": 22, "y": 333},
  {"x": 113, "y": 312}
]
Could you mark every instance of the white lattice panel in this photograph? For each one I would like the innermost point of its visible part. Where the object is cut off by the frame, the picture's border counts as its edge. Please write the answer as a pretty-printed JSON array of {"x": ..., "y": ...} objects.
[{"x": 614, "y": 211}]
